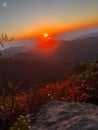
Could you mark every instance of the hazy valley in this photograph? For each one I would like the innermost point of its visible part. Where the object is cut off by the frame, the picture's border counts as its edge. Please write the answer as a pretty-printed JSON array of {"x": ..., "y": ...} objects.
[{"x": 35, "y": 65}]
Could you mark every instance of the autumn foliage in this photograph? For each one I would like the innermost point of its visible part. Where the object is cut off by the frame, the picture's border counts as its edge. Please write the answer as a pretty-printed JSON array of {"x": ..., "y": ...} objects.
[{"x": 16, "y": 99}]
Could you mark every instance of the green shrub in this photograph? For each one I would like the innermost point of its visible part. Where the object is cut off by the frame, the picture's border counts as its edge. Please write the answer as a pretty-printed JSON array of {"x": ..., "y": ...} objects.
[{"x": 22, "y": 123}]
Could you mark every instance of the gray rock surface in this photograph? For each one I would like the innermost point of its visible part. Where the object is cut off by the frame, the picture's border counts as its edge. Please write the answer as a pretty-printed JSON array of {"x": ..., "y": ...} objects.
[{"x": 58, "y": 115}]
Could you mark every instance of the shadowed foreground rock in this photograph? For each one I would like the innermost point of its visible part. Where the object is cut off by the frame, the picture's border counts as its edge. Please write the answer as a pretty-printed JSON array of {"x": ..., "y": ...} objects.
[{"x": 58, "y": 115}]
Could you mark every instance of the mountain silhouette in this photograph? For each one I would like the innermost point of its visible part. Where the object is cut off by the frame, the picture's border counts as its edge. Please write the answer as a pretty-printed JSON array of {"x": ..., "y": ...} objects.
[{"x": 37, "y": 66}]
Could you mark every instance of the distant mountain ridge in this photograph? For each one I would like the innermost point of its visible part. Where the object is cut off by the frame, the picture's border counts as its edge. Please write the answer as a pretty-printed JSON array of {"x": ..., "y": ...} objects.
[
  {"x": 37, "y": 66},
  {"x": 13, "y": 51},
  {"x": 90, "y": 35},
  {"x": 16, "y": 47},
  {"x": 78, "y": 34}
]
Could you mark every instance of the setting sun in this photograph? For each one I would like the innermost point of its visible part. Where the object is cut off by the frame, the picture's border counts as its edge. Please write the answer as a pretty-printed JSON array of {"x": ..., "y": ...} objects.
[
  {"x": 47, "y": 43},
  {"x": 45, "y": 35}
]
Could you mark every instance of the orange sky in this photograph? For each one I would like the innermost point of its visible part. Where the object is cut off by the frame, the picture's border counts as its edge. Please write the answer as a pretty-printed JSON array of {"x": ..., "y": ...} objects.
[
  {"x": 31, "y": 18},
  {"x": 55, "y": 30}
]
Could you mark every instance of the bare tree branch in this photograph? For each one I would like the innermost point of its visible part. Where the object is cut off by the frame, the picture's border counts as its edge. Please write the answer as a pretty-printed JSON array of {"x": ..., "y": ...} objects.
[{"x": 4, "y": 38}]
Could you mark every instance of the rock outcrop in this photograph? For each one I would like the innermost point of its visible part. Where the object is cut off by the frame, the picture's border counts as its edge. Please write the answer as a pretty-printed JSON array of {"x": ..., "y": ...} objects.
[{"x": 58, "y": 115}]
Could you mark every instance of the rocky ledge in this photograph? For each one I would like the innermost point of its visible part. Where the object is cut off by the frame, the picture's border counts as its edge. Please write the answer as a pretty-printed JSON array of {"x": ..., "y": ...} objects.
[{"x": 58, "y": 115}]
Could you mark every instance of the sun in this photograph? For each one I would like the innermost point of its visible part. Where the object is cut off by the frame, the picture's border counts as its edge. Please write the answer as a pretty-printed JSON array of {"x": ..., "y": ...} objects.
[
  {"x": 45, "y": 35},
  {"x": 47, "y": 43}
]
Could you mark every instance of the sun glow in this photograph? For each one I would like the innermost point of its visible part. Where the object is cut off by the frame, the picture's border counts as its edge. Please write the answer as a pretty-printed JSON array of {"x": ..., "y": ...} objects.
[
  {"x": 45, "y": 35},
  {"x": 47, "y": 43}
]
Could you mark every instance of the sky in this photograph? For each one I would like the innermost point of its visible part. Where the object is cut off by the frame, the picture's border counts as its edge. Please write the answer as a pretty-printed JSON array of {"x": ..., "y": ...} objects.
[{"x": 30, "y": 18}]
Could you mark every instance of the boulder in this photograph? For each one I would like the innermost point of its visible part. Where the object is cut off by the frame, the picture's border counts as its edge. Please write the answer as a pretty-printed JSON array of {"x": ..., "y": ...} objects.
[{"x": 57, "y": 115}]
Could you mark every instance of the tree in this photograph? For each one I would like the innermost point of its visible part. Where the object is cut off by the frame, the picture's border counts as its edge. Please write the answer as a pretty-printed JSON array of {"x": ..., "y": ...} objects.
[{"x": 4, "y": 38}]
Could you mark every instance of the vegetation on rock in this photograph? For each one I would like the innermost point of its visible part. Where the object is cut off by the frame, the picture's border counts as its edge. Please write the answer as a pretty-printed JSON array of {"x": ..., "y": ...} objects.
[{"x": 16, "y": 99}]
